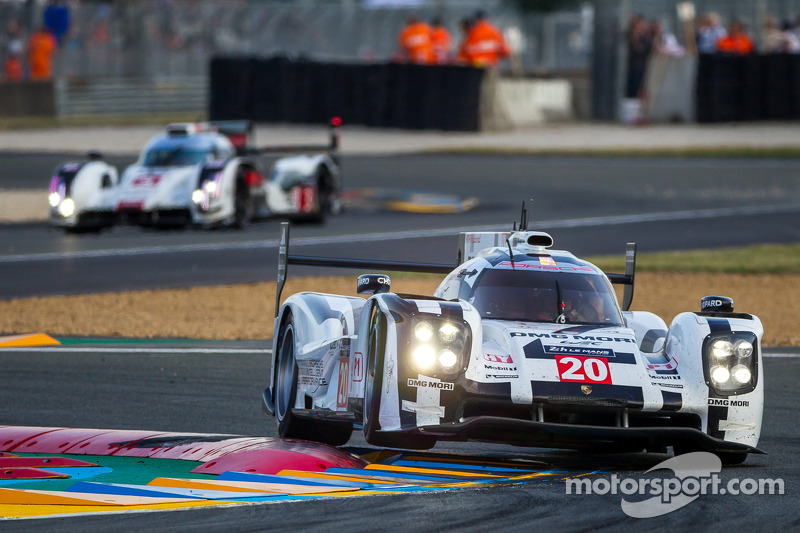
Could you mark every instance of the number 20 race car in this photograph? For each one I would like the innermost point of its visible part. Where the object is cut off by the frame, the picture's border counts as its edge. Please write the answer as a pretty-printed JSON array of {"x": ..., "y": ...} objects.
[
  {"x": 520, "y": 344},
  {"x": 204, "y": 174}
]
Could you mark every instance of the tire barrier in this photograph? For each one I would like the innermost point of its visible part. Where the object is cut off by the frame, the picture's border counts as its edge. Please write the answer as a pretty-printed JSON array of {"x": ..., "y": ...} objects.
[
  {"x": 746, "y": 88},
  {"x": 387, "y": 95}
]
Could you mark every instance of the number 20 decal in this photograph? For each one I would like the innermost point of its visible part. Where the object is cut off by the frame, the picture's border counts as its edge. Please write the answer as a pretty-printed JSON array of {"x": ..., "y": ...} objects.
[{"x": 573, "y": 369}]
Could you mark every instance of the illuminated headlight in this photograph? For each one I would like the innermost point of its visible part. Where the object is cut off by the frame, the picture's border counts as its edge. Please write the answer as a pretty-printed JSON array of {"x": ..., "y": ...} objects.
[
  {"x": 741, "y": 374},
  {"x": 424, "y": 355},
  {"x": 743, "y": 348},
  {"x": 448, "y": 332},
  {"x": 210, "y": 187},
  {"x": 720, "y": 375},
  {"x": 730, "y": 362},
  {"x": 54, "y": 199},
  {"x": 722, "y": 349},
  {"x": 198, "y": 196},
  {"x": 448, "y": 359},
  {"x": 66, "y": 208},
  {"x": 423, "y": 331}
]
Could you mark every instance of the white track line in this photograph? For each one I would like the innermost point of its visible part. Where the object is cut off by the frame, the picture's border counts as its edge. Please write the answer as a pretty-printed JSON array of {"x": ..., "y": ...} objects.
[
  {"x": 402, "y": 235},
  {"x": 110, "y": 349}
]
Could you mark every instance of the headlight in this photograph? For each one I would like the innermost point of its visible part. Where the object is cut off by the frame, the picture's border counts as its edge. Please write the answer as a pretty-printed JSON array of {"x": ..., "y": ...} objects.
[
  {"x": 744, "y": 348},
  {"x": 198, "y": 196},
  {"x": 438, "y": 344},
  {"x": 423, "y": 331},
  {"x": 210, "y": 187},
  {"x": 448, "y": 332},
  {"x": 730, "y": 363},
  {"x": 448, "y": 359},
  {"x": 424, "y": 355},
  {"x": 720, "y": 374},
  {"x": 66, "y": 208},
  {"x": 722, "y": 349},
  {"x": 54, "y": 199},
  {"x": 741, "y": 374}
]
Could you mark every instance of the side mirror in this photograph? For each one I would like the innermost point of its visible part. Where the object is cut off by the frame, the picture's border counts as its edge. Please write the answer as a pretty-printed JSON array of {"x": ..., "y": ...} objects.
[{"x": 373, "y": 284}]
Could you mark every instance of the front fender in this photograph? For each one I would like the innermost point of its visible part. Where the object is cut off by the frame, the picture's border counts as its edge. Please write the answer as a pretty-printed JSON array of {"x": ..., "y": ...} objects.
[
  {"x": 733, "y": 417},
  {"x": 319, "y": 320}
]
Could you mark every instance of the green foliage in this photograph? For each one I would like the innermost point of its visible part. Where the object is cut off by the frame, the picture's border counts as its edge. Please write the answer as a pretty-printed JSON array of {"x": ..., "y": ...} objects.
[{"x": 761, "y": 259}]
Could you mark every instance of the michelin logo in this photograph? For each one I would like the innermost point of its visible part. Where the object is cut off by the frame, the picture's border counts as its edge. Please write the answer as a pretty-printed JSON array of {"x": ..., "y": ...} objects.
[{"x": 421, "y": 383}]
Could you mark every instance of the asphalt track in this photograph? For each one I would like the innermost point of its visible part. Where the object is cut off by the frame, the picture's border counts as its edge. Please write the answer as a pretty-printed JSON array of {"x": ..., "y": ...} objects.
[
  {"x": 590, "y": 205},
  {"x": 214, "y": 388}
]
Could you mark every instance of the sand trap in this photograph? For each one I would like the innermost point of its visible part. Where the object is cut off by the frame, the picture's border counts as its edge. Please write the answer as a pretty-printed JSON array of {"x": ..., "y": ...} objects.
[{"x": 246, "y": 311}]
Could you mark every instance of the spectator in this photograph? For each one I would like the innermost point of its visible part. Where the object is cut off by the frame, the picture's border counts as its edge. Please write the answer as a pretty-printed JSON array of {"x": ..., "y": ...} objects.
[
  {"x": 415, "y": 42},
  {"x": 774, "y": 38},
  {"x": 41, "y": 47},
  {"x": 709, "y": 31},
  {"x": 665, "y": 42},
  {"x": 736, "y": 42},
  {"x": 465, "y": 25},
  {"x": 12, "y": 66},
  {"x": 441, "y": 42},
  {"x": 56, "y": 19},
  {"x": 792, "y": 38},
  {"x": 485, "y": 45},
  {"x": 640, "y": 44}
]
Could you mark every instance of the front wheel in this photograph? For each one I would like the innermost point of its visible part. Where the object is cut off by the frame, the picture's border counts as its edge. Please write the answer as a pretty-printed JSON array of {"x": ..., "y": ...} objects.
[
  {"x": 242, "y": 206},
  {"x": 289, "y": 425}
]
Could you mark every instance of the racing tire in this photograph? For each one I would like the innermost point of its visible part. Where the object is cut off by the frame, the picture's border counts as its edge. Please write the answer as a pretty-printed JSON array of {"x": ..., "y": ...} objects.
[
  {"x": 242, "y": 208},
  {"x": 372, "y": 393},
  {"x": 291, "y": 426}
]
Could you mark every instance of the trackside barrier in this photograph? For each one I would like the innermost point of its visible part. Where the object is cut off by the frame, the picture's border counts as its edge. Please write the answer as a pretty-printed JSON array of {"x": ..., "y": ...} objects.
[
  {"x": 388, "y": 95},
  {"x": 751, "y": 87}
]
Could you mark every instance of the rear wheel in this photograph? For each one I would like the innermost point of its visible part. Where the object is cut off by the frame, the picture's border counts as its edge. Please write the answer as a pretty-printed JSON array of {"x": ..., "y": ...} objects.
[
  {"x": 373, "y": 390},
  {"x": 289, "y": 425}
]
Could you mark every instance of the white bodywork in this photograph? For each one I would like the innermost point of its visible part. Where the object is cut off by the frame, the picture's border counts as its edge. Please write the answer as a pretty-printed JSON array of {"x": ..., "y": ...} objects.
[
  {"x": 81, "y": 190},
  {"x": 293, "y": 184},
  {"x": 647, "y": 373}
]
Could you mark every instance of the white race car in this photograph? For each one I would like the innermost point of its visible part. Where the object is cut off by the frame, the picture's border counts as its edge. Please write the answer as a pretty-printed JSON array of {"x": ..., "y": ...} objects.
[
  {"x": 204, "y": 174},
  {"x": 520, "y": 344}
]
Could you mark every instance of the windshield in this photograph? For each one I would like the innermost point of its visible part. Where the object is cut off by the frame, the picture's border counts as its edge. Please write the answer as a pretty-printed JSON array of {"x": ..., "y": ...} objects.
[
  {"x": 564, "y": 297},
  {"x": 170, "y": 152}
]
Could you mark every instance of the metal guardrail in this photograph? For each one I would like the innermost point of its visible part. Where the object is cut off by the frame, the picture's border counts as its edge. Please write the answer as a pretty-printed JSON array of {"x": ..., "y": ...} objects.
[{"x": 128, "y": 96}]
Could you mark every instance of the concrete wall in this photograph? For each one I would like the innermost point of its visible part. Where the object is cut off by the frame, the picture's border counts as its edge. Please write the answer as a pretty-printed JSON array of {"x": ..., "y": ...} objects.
[
  {"x": 27, "y": 99},
  {"x": 508, "y": 103}
]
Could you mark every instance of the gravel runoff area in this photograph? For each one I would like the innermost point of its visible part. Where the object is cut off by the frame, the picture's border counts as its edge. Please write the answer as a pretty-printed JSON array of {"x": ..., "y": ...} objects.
[{"x": 246, "y": 311}]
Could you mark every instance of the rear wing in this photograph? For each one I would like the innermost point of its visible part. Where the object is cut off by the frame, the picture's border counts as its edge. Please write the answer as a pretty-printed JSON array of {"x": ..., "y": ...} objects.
[
  {"x": 332, "y": 147},
  {"x": 239, "y": 132},
  {"x": 285, "y": 259}
]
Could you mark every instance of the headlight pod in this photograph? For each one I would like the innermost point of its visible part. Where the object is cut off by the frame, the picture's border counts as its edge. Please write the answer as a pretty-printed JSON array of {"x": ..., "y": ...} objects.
[
  {"x": 54, "y": 199},
  {"x": 437, "y": 345},
  {"x": 730, "y": 363},
  {"x": 198, "y": 196},
  {"x": 66, "y": 208}
]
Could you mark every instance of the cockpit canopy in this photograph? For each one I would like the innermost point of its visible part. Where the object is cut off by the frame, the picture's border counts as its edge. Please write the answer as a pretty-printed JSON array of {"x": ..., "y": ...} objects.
[
  {"x": 536, "y": 291},
  {"x": 179, "y": 151}
]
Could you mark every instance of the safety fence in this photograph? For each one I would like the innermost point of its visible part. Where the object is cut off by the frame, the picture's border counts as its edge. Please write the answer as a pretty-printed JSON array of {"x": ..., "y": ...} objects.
[
  {"x": 386, "y": 95},
  {"x": 752, "y": 87}
]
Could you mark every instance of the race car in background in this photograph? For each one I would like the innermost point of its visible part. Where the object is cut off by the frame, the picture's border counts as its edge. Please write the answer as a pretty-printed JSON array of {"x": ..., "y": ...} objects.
[
  {"x": 205, "y": 174},
  {"x": 520, "y": 344}
]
